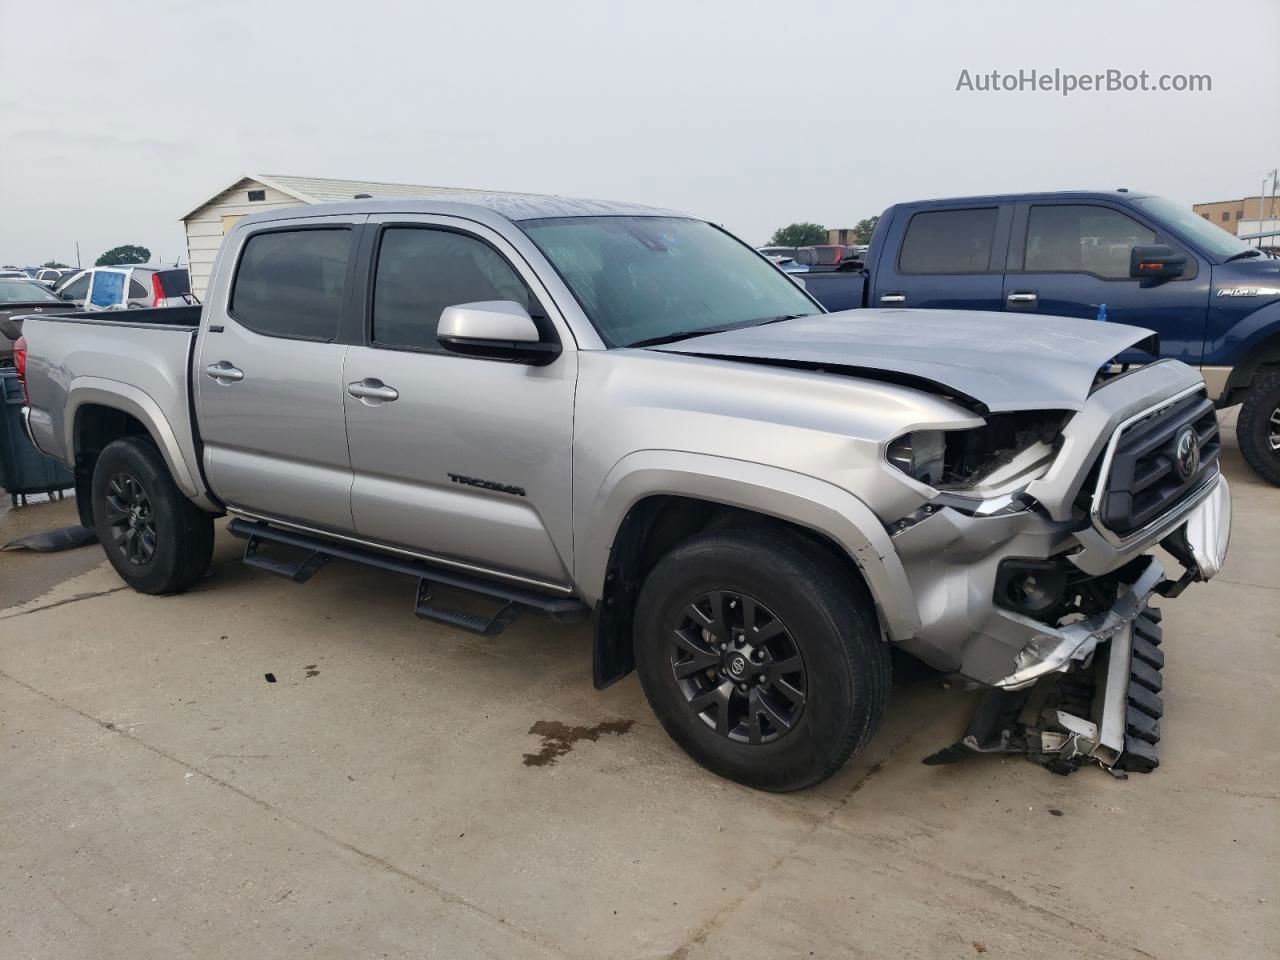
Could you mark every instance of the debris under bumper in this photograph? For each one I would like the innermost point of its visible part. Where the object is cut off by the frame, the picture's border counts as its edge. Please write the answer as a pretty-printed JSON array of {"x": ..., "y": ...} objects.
[
  {"x": 1090, "y": 690},
  {"x": 1106, "y": 710}
]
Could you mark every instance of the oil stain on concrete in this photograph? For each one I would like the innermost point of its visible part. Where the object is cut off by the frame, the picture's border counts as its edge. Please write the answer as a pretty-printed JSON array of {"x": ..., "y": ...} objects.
[{"x": 559, "y": 738}]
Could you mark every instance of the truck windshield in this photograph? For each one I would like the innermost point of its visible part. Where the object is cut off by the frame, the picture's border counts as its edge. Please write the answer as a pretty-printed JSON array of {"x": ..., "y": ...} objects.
[
  {"x": 1210, "y": 238},
  {"x": 642, "y": 279}
]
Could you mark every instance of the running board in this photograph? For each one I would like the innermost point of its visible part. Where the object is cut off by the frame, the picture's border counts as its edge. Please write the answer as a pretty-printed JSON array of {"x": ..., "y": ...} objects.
[
  {"x": 485, "y": 626},
  {"x": 1107, "y": 714},
  {"x": 515, "y": 600}
]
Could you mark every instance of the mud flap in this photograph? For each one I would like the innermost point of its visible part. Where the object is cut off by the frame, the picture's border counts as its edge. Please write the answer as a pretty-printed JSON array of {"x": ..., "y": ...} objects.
[{"x": 1106, "y": 711}]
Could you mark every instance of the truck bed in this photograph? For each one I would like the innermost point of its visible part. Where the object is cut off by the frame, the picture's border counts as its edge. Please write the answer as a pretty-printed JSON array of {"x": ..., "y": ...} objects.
[
  {"x": 137, "y": 361},
  {"x": 185, "y": 317},
  {"x": 836, "y": 290}
]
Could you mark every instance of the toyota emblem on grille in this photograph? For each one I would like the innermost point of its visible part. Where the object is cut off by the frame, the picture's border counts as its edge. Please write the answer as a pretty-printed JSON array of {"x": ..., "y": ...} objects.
[{"x": 1186, "y": 458}]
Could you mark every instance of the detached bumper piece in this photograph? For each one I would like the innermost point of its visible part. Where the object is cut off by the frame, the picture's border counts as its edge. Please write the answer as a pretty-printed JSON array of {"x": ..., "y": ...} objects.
[{"x": 1106, "y": 711}]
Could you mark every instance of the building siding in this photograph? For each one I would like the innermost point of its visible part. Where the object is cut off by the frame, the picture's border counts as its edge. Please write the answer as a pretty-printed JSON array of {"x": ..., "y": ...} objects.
[{"x": 204, "y": 227}]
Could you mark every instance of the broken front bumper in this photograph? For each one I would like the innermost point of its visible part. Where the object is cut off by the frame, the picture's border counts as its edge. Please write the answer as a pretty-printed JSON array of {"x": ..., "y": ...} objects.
[
  {"x": 1202, "y": 544},
  {"x": 1090, "y": 690}
]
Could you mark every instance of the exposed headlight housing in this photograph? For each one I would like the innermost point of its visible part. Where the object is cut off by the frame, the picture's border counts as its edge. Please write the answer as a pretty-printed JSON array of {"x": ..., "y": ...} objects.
[{"x": 1001, "y": 456}]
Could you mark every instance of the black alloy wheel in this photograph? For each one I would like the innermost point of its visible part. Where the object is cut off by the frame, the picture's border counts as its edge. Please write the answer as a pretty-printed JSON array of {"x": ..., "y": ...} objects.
[
  {"x": 739, "y": 668},
  {"x": 131, "y": 519}
]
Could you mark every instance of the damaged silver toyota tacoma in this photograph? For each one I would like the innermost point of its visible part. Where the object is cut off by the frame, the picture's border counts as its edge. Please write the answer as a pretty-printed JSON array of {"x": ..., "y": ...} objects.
[{"x": 597, "y": 410}]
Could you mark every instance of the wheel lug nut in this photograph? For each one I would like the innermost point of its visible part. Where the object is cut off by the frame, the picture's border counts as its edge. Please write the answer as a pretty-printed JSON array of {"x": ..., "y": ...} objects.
[
  {"x": 742, "y": 687},
  {"x": 762, "y": 679}
]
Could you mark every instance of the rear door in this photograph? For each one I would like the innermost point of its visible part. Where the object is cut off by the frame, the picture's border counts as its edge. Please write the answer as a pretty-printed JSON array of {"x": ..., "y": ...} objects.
[
  {"x": 1069, "y": 258},
  {"x": 470, "y": 459},
  {"x": 950, "y": 258},
  {"x": 268, "y": 371}
]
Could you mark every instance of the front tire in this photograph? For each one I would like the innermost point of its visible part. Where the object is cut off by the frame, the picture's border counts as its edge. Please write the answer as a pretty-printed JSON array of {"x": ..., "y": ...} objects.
[
  {"x": 157, "y": 539},
  {"x": 761, "y": 656},
  {"x": 1258, "y": 427}
]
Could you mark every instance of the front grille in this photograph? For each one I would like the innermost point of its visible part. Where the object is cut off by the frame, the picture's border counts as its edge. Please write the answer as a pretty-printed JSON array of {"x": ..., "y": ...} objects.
[{"x": 1144, "y": 481}]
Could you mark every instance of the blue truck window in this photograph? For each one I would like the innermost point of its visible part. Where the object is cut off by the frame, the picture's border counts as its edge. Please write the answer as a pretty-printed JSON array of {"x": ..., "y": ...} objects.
[
  {"x": 949, "y": 241},
  {"x": 108, "y": 289},
  {"x": 1081, "y": 238}
]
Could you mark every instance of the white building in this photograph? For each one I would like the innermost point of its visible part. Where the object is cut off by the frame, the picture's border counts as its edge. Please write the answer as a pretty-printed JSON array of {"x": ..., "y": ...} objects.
[{"x": 208, "y": 223}]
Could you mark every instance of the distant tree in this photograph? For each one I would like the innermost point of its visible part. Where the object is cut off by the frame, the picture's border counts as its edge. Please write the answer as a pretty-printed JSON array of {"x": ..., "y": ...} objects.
[
  {"x": 862, "y": 232},
  {"x": 799, "y": 235},
  {"x": 126, "y": 253},
  {"x": 55, "y": 264}
]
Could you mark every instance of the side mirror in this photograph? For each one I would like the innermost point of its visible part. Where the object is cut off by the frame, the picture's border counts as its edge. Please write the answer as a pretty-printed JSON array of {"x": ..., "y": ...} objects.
[
  {"x": 1157, "y": 261},
  {"x": 10, "y": 327},
  {"x": 494, "y": 330}
]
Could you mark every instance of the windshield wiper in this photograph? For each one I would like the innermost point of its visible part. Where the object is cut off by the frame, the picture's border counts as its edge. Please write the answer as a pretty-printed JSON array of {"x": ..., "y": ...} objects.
[
  {"x": 671, "y": 337},
  {"x": 1242, "y": 254},
  {"x": 724, "y": 328},
  {"x": 785, "y": 316}
]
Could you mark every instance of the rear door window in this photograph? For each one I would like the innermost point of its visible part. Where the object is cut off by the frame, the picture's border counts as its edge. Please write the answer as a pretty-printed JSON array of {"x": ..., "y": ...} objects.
[
  {"x": 949, "y": 241},
  {"x": 290, "y": 283},
  {"x": 421, "y": 271},
  {"x": 136, "y": 290},
  {"x": 1080, "y": 238}
]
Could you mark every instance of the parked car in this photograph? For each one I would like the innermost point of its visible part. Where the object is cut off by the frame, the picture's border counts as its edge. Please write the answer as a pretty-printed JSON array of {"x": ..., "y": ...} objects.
[
  {"x": 772, "y": 252},
  {"x": 788, "y": 264},
  {"x": 1214, "y": 300},
  {"x": 13, "y": 275},
  {"x": 822, "y": 258},
  {"x": 128, "y": 287},
  {"x": 20, "y": 296},
  {"x": 49, "y": 276},
  {"x": 603, "y": 410}
]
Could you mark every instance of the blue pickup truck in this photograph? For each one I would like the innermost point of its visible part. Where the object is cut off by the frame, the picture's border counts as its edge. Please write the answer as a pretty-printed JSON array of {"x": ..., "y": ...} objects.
[{"x": 1120, "y": 256}]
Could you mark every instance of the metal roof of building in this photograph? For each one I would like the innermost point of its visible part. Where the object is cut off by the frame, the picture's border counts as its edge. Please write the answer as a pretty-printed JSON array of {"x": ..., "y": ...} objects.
[{"x": 513, "y": 206}]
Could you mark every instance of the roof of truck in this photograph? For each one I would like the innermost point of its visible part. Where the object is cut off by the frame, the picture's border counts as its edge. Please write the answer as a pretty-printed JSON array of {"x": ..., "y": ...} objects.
[
  {"x": 1121, "y": 193},
  {"x": 510, "y": 206}
]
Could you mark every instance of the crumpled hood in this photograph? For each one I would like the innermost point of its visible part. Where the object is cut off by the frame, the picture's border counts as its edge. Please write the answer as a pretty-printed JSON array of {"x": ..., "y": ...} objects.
[{"x": 996, "y": 361}]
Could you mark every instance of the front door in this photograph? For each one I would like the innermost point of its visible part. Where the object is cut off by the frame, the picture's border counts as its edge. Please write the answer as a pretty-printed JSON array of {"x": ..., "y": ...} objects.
[
  {"x": 1069, "y": 259},
  {"x": 460, "y": 458},
  {"x": 268, "y": 373}
]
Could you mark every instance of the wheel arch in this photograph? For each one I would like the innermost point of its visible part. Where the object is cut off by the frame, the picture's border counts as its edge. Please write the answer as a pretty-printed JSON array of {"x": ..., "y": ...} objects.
[
  {"x": 653, "y": 500},
  {"x": 97, "y": 414},
  {"x": 1260, "y": 352}
]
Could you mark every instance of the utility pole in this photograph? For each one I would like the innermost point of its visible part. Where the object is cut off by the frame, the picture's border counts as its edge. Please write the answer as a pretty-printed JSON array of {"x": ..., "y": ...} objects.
[{"x": 77, "y": 254}]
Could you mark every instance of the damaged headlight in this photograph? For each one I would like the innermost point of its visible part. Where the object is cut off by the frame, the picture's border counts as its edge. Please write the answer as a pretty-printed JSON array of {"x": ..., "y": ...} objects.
[{"x": 1006, "y": 453}]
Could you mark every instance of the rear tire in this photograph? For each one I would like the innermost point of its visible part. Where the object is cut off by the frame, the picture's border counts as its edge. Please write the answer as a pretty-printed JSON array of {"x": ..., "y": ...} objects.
[
  {"x": 803, "y": 679},
  {"x": 1258, "y": 427},
  {"x": 157, "y": 539}
]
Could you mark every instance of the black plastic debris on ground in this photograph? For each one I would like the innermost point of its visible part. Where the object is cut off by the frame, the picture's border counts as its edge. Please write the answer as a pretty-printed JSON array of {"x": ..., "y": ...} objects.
[{"x": 53, "y": 541}]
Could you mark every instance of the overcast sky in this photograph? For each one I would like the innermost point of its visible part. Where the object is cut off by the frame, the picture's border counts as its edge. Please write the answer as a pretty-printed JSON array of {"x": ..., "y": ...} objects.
[{"x": 119, "y": 117}]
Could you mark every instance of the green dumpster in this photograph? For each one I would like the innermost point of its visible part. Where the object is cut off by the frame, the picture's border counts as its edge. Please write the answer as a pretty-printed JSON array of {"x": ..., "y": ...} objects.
[{"x": 24, "y": 469}]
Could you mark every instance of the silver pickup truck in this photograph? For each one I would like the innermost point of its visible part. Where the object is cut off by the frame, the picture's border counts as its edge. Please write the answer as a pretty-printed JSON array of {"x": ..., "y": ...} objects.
[{"x": 602, "y": 410}]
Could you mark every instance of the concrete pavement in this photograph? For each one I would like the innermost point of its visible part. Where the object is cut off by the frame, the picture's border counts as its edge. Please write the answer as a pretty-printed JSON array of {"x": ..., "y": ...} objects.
[{"x": 406, "y": 790}]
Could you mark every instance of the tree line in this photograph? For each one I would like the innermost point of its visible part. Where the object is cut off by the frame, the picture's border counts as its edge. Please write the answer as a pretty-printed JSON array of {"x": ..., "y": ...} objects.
[{"x": 812, "y": 234}]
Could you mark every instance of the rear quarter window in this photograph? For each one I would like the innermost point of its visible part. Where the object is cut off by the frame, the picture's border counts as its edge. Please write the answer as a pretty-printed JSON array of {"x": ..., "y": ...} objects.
[
  {"x": 949, "y": 241},
  {"x": 290, "y": 283}
]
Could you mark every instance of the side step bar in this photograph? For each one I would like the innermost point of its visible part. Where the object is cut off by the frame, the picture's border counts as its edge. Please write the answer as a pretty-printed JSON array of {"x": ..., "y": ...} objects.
[{"x": 515, "y": 600}]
